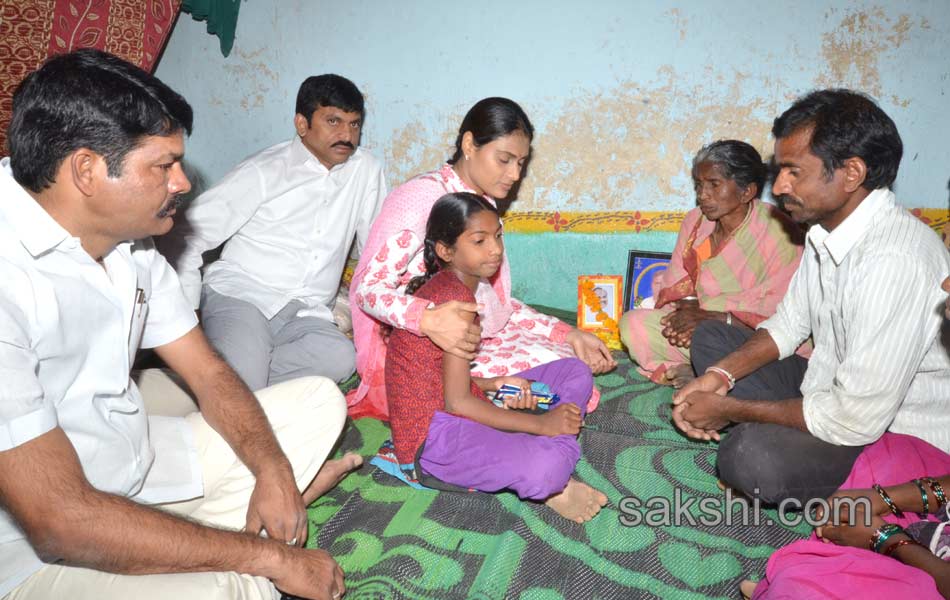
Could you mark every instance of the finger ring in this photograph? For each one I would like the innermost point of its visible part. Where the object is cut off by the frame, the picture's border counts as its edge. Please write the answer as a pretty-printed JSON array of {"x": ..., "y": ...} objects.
[{"x": 292, "y": 542}]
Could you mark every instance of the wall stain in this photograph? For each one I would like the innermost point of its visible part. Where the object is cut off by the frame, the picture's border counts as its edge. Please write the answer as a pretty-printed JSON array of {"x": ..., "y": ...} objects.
[
  {"x": 258, "y": 80},
  {"x": 854, "y": 47},
  {"x": 679, "y": 21},
  {"x": 420, "y": 146}
]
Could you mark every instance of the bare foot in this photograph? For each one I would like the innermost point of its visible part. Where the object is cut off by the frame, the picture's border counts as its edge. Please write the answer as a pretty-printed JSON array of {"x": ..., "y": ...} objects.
[
  {"x": 747, "y": 588},
  {"x": 578, "y": 502},
  {"x": 331, "y": 473},
  {"x": 680, "y": 375}
]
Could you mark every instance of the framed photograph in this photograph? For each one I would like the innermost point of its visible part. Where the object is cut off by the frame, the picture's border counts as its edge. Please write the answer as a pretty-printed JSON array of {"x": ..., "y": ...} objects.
[
  {"x": 642, "y": 267},
  {"x": 608, "y": 290}
]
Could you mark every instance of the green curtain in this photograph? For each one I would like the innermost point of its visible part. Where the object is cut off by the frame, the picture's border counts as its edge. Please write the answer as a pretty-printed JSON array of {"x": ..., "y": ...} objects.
[{"x": 222, "y": 16}]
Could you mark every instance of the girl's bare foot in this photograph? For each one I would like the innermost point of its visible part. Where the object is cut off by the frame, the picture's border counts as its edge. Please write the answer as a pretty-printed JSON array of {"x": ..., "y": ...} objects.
[
  {"x": 747, "y": 588},
  {"x": 680, "y": 375},
  {"x": 578, "y": 502},
  {"x": 331, "y": 473}
]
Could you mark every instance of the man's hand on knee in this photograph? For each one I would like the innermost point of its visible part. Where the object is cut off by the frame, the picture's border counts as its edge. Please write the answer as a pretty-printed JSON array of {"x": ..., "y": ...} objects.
[
  {"x": 308, "y": 574},
  {"x": 276, "y": 506}
]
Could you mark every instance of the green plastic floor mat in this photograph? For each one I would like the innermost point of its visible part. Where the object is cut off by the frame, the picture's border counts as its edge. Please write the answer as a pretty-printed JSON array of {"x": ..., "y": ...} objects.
[{"x": 396, "y": 542}]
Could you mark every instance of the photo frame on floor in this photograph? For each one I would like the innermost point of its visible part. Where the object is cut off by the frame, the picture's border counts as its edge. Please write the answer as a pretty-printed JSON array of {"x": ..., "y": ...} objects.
[
  {"x": 642, "y": 267},
  {"x": 608, "y": 290}
]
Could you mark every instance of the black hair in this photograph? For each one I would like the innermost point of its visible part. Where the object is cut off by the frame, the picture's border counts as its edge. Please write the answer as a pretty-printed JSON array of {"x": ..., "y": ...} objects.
[
  {"x": 737, "y": 161},
  {"x": 489, "y": 120},
  {"x": 329, "y": 90},
  {"x": 846, "y": 124},
  {"x": 87, "y": 99},
  {"x": 447, "y": 221}
]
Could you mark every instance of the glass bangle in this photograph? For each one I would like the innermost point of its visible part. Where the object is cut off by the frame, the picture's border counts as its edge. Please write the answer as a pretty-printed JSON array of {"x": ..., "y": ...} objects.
[
  {"x": 923, "y": 496},
  {"x": 887, "y": 500}
]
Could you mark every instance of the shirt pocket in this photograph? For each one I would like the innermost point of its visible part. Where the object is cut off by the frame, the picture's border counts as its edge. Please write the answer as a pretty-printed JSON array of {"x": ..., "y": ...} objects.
[{"x": 143, "y": 292}]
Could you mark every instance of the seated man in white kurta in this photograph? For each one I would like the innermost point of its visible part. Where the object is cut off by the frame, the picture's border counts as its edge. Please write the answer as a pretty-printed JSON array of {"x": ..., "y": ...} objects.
[
  {"x": 287, "y": 218},
  {"x": 95, "y": 169}
]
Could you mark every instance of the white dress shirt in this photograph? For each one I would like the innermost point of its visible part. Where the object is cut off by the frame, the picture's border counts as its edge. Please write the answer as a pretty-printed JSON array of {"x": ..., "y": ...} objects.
[
  {"x": 69, "y": 330},
  {"x": 869, "y": 292},
  {"x": 289, "y": 223}
]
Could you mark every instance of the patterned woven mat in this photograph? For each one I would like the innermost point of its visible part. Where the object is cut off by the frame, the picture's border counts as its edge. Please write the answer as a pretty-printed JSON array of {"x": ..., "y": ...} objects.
[{"x": 396, "y": 542}]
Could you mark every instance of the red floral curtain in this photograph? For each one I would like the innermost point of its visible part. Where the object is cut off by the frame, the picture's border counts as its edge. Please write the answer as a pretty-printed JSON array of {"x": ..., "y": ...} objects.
[{"x": 32, "y": 30}]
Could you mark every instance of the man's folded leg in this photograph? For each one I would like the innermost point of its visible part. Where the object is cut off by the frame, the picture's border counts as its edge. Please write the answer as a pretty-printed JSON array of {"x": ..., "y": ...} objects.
[{"x": 307, "y": 416}]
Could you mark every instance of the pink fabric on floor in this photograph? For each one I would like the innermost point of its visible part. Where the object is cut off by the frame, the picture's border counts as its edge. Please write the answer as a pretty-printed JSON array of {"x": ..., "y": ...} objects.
[{"x": 812, "y": 569}]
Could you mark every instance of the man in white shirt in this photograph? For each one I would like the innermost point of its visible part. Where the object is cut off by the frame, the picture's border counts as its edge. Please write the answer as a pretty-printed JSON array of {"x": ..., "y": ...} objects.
[
  {"x": 101, "y": 496},
  {"x": 287, "y": 217},
  {"x": 868, "y": 292}
]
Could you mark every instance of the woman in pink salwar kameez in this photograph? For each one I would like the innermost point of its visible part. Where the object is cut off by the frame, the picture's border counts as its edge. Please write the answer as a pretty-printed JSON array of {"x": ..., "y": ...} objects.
[{"x": 493, "y": 143}]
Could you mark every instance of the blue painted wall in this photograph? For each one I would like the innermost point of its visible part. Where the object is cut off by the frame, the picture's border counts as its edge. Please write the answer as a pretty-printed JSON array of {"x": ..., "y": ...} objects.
[{"x": 622, "y": 93}]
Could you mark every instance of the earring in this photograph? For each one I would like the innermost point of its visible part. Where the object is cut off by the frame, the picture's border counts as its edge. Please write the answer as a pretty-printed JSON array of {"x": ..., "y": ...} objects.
[{"x": 466, "y": 157}]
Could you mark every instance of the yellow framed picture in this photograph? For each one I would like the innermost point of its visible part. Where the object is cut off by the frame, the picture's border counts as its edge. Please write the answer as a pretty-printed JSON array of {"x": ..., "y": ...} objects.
[{"x": 599, "y": 301}]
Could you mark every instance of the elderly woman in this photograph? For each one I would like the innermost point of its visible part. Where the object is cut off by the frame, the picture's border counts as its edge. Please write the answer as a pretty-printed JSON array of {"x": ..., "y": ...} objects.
[
  {"x": 733, "y": 260},
  {"x": 494, "y": 141}
]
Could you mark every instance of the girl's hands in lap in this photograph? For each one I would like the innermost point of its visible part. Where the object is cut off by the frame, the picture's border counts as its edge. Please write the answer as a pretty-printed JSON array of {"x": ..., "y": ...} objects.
[{"x": 523, "y": 400}]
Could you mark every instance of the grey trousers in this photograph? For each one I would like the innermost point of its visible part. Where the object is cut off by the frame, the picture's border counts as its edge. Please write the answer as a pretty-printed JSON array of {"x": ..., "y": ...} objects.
[
  {"x": 770, "y": 461},
  {"x": 269, "y": 351}
]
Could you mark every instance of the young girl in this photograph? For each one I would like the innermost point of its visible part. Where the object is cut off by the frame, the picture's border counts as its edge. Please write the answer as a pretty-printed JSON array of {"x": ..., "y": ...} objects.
[{"x": 441, "y": 420}]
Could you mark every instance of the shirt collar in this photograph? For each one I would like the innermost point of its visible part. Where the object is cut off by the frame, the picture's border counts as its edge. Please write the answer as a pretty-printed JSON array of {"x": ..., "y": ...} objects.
[
  {"x": 37, "y": 230},
  {"x": 301, "y": 155},
  {"x": 845, "y": 236}
]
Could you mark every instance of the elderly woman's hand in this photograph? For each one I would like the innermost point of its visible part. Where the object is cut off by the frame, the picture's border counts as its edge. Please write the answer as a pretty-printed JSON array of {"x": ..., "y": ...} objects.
[{"x": 680, "y": 324}]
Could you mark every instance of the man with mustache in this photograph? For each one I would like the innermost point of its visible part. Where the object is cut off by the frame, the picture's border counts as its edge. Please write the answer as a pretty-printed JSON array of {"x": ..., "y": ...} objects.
[
  {"x": 866, "y": 291},
  {"x": 287, "y": 217},
  {"x": 107, "y": 492}
]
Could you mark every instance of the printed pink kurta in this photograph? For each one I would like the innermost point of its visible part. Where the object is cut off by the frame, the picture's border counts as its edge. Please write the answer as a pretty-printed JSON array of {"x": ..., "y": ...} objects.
[
  {"x": 515, "y": 337},
  {"x": 747, "y": 276}
]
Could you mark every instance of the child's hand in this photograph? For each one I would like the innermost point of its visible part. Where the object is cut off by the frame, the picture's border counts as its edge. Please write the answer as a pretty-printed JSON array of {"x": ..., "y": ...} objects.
[
  {"x": 522, "y": 400},
  {"x": 564, "y": 419}
]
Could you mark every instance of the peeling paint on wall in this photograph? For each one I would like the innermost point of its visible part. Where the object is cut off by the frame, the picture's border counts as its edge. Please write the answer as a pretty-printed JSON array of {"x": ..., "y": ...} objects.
[
  {"x": 854, "y": 47},
  {"x": 622, "y": 148},
  {"x": 621, "y": 96},
  {"x": 610, "y": 150},
  {"x": 420, "y": 147}
]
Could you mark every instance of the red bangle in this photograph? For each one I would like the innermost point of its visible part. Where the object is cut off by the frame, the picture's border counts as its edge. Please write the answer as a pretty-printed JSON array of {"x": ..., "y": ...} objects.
[{"x": 890, "y": 549}]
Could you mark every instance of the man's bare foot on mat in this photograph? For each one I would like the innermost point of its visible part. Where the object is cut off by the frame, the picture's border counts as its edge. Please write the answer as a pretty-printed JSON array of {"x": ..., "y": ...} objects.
[
  {"x": 747, "y": 588},
  {"x": 331, "y": 473},
  {"x": 680, "y": 375},
  {"x": 578, "y": 502}
]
